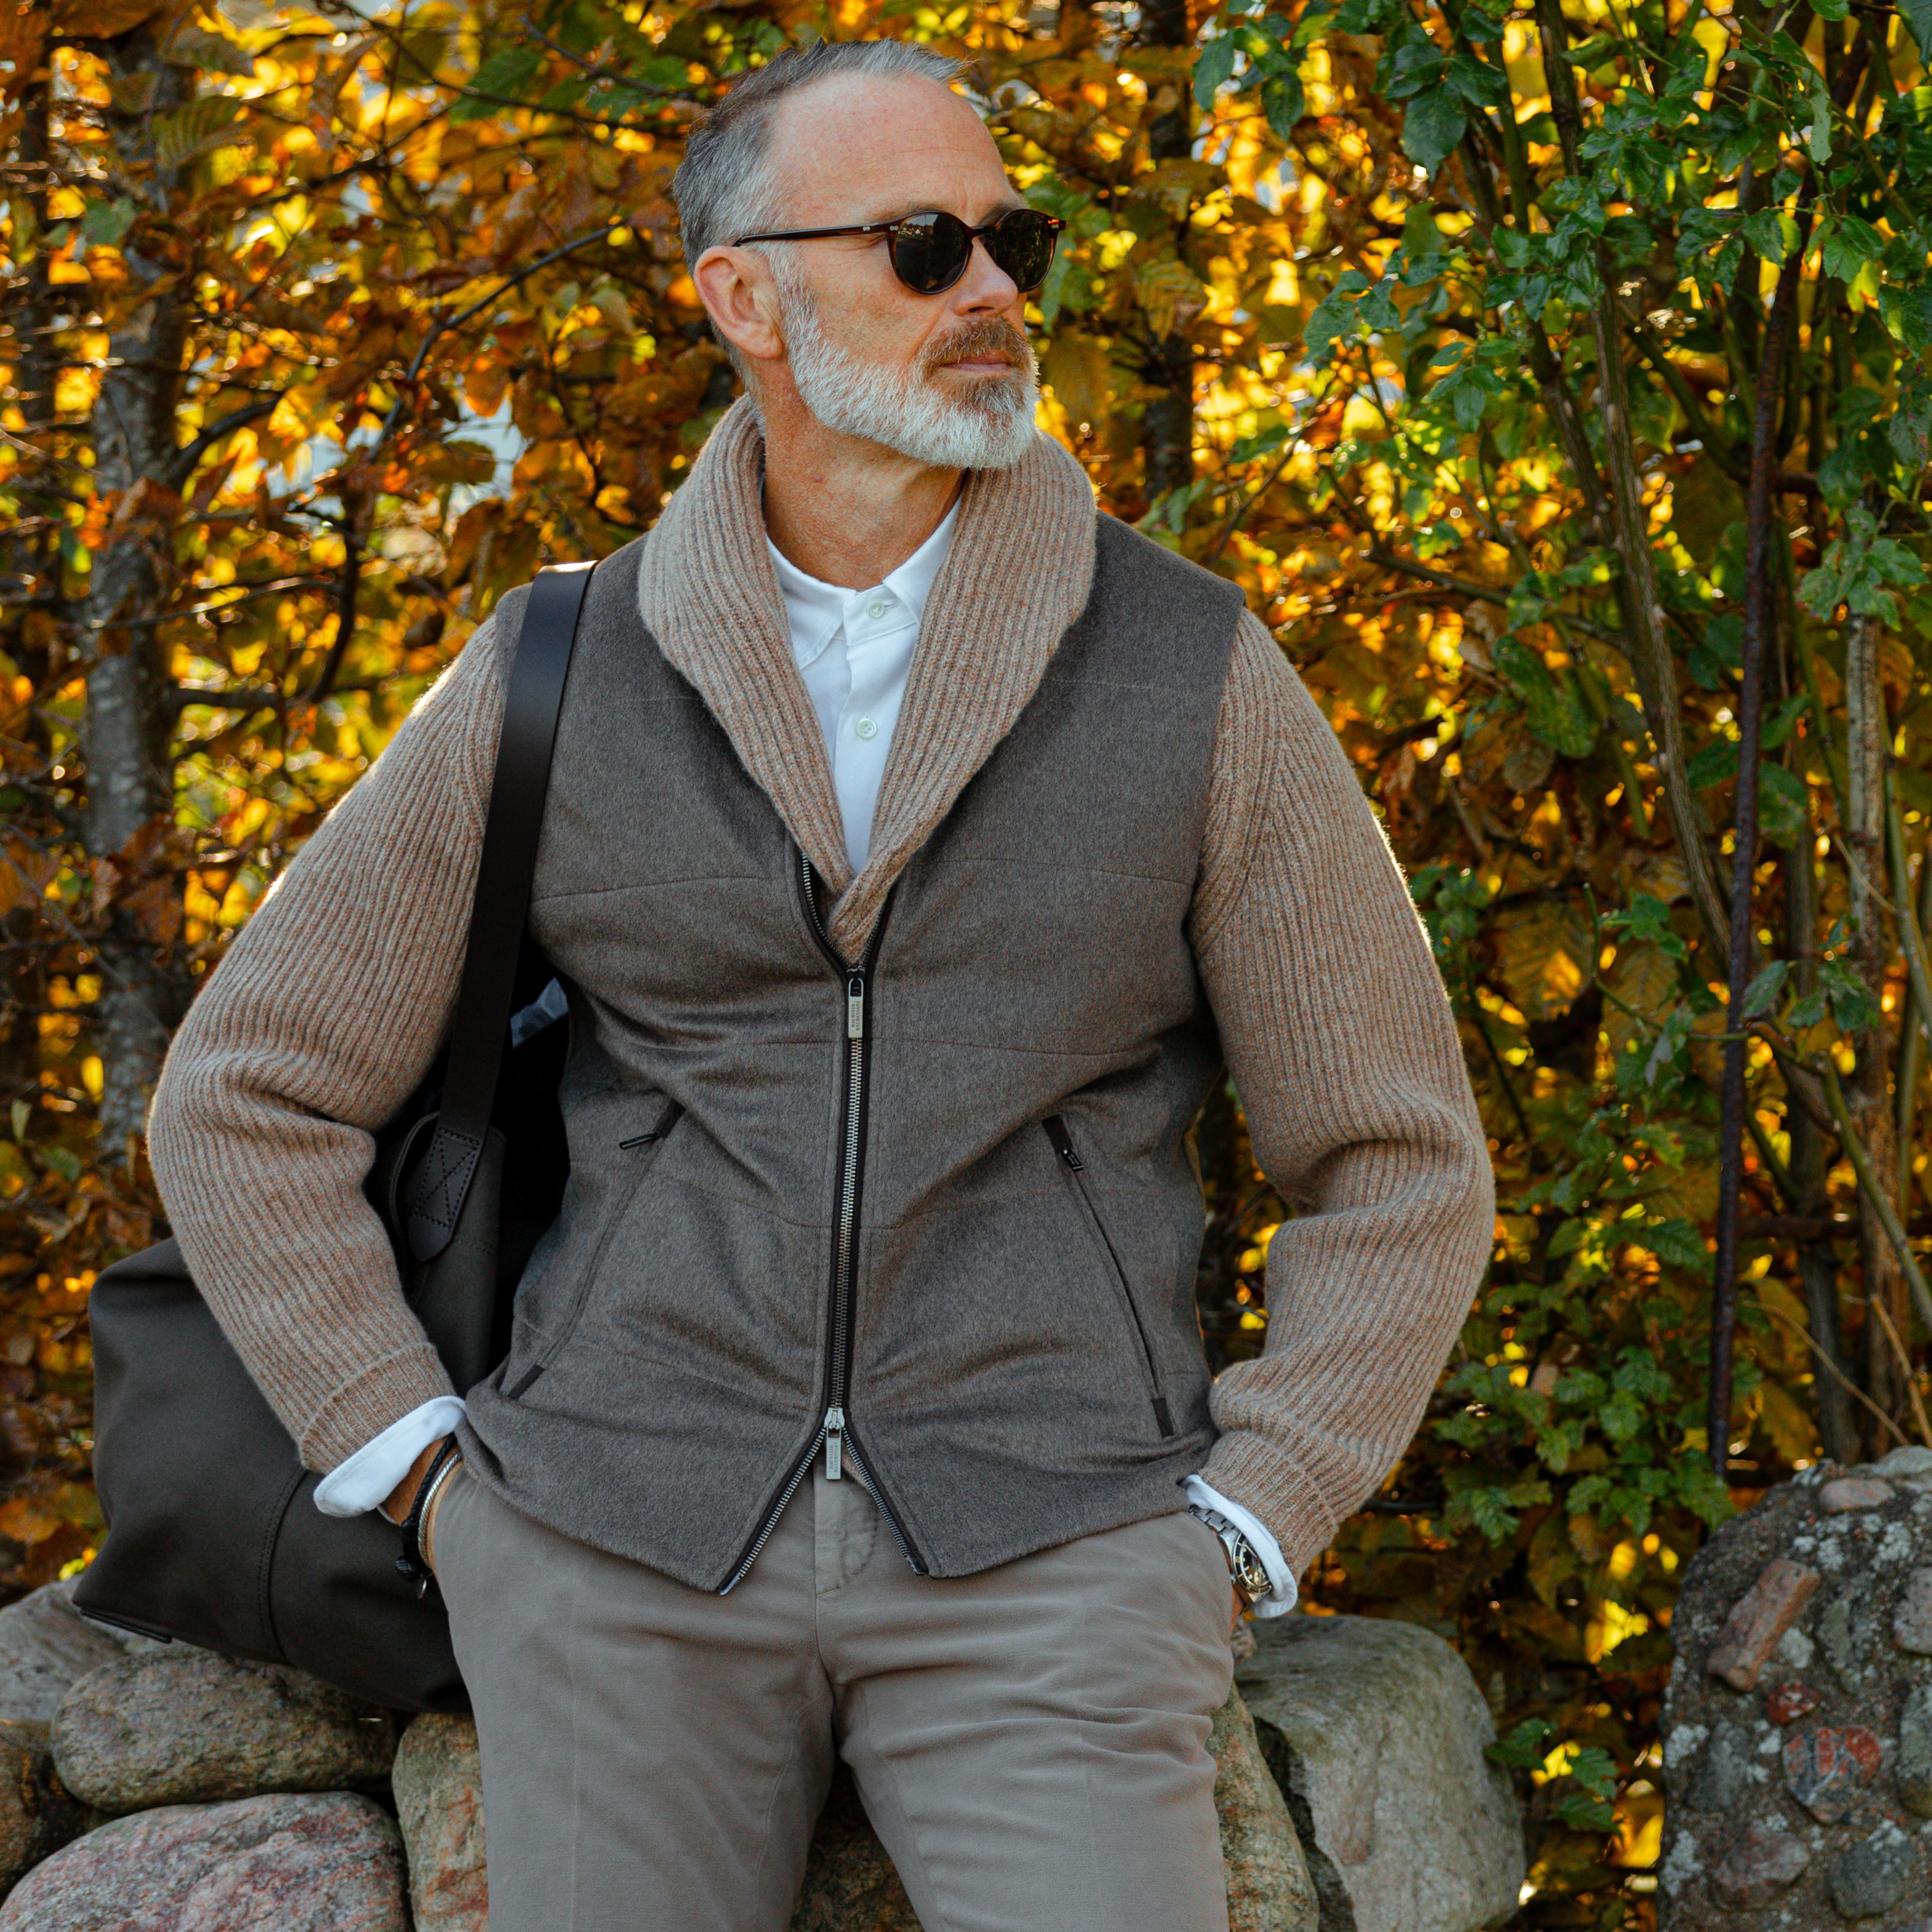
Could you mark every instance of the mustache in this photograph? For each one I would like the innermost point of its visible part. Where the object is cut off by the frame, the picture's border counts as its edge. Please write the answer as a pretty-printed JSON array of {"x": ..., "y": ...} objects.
[{"x": 989, "y": 338}]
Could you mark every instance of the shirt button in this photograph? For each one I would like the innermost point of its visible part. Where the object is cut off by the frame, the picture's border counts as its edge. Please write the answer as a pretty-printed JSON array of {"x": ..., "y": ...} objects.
[
  {"x": 866, "y": 728},
  {"x": 877, "y": 608}
]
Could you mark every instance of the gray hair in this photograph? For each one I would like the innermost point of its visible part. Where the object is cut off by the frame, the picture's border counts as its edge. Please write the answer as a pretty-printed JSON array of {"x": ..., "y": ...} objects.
[{"x": 725, "y": 187}]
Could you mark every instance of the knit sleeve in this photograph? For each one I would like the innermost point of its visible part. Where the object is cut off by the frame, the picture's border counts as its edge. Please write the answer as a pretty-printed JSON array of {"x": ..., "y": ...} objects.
[
  {"x": 322, "y": 1018},
  {"x": 1341, "y": 1044}
]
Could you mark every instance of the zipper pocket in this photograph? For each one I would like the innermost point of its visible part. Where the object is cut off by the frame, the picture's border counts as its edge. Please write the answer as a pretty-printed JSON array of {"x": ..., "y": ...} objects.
[
  {"x": 1055, "y": 1126},
  {"x": 668, "y": 1120}
]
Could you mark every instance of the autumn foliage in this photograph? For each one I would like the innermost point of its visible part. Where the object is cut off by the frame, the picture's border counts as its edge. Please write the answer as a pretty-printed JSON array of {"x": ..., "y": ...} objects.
[{"x": 1552, "y": 376}]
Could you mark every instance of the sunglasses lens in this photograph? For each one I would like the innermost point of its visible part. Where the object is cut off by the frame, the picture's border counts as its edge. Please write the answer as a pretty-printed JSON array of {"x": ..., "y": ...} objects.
[
  {"x": 1022, "y": 245},
  {"x": 929, "y": 252}
]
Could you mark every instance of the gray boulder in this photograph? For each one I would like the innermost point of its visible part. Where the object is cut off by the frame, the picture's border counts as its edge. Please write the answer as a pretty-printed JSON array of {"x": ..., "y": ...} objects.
[
  {"x": 186, "y": 1727},
  {"x": 332, "y": 1863},
  {"x": 1374, "y": 1731},
  {"x": 46, "y": 1646},
  {"x": 1269, "y": 1889},
  {"x": 437, "y": 1779}
]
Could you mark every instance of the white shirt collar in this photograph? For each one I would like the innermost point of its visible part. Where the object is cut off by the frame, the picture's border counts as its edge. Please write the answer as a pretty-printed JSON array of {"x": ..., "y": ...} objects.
[{"x": 816, "y": 610}]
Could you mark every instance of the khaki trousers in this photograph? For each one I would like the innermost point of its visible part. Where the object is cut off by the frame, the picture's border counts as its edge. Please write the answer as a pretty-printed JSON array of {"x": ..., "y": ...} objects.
[{"x": 1029, "y": 1743}]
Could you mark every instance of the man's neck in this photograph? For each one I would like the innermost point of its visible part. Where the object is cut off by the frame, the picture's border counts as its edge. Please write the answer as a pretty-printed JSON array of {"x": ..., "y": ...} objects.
[{"x": 845, "y": 510}]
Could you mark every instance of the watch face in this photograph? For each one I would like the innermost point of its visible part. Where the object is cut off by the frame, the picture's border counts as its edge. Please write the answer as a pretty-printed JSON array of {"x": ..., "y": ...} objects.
[{"x": 1250, "y": 1573}]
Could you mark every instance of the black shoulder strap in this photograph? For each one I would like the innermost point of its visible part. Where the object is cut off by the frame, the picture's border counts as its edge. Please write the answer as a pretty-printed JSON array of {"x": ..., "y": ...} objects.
[{"x": 510, "y": 834}]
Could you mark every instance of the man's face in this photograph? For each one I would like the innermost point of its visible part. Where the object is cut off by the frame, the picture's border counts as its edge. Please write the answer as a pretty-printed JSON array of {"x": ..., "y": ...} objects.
[{"x": 946, "y": 378}]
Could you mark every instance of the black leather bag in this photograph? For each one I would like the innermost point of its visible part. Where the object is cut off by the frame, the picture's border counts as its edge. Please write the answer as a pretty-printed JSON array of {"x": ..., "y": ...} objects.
[{"x": 213, "y": 1536}]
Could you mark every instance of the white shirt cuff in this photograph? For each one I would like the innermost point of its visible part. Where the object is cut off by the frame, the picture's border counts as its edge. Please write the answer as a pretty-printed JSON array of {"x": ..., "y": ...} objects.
[
  {"x": 377, "y": 1467},
  {"x": 1281, "y": 1599}
]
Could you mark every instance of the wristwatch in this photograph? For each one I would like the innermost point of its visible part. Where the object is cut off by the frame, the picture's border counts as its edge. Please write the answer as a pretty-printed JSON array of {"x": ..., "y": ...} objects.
[{"x": 1245, "y": 1567}]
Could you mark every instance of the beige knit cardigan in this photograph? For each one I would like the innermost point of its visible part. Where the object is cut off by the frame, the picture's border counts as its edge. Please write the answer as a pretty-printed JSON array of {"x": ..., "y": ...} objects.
[{"x": 332, "y": 1001}]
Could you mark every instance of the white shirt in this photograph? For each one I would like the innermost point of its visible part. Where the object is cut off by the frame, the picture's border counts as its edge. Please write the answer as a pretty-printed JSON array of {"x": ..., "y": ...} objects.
[{"x": 853, "y": 649}]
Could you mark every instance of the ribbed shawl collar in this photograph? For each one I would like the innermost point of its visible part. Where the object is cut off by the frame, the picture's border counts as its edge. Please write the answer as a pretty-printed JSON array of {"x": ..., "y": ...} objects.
[{"x": 1017, "y": 575}]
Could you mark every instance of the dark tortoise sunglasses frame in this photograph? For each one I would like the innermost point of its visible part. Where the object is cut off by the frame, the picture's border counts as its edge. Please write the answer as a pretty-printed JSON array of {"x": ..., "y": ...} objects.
[{"x": 1013, "y": 243}]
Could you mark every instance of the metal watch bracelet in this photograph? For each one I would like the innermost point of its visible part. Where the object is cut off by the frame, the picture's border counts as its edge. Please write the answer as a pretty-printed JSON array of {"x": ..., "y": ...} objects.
[{"x": 1246, "y": 1569}]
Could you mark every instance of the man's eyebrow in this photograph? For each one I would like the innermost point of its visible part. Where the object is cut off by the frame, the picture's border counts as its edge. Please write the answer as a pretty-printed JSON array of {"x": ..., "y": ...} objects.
[{"x": 899, "y": 211}]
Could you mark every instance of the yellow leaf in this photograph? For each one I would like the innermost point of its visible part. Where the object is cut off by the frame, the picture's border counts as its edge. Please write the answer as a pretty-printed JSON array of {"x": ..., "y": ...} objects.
[
  {"x": 1544, "y": 949},
  {"x": 1076, "y": 366}
]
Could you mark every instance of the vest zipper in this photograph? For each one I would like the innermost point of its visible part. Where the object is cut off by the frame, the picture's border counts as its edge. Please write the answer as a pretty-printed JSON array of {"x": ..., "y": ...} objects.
[
  {"x": 835, "y": 1434},
  {"x": 1055, "y": 1127}
]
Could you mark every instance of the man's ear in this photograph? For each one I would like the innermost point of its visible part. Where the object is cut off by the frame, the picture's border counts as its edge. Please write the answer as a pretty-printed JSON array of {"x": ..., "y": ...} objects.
[{"x": 739, "y": 295}]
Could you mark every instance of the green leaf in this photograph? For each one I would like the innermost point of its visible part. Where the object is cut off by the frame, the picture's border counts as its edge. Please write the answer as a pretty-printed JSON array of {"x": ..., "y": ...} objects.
[
  {"x": 1431, "y": 128},
  {"x": 1677, "y": 1242},
  {"x": 106, "y": 224},
  {"x": 1761, "y": 995},
  {"x": 503, "y": 79},
  {"x": 1768, "y": 234},
  {"x": 1264, "y": 442},
  {"x": 183, "y": 132},
  {"x": 1556, "y": 714},
  {"x": 1918, "y": 17},
  {"x": 63, "y": 1161},
  {"x": 1595, "y": 1770},
  {"x": 1647, "y": 920},
  {"x": 1712, "y": 763},
  {"x": 1784, "y": 807},
  {"x": 1282, "y": 102},
  {"x": 1214, "y": 68},
  {"x": 1525, "y": 1748},
  {"x": 1585, "y": 1814},
  {"x": 1850, "y": 245},
  {"x": 1592, "y": 52}
]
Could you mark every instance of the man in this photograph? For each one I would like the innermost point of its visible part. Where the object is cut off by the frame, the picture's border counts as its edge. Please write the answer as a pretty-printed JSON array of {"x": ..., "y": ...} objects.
[{"x": 919, "y": 846}]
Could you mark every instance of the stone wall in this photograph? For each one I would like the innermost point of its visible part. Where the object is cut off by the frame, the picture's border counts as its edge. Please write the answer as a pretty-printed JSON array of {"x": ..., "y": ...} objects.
[{"x": 1798, "y": 1726}]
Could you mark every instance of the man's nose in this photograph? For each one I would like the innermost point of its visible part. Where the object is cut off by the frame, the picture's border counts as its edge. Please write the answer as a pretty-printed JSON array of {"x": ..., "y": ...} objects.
[{"x": 985, "y": 285}]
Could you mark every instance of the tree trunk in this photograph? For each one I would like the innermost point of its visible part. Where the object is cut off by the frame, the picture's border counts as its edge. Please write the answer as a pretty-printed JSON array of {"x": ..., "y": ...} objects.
[
  {"x": 130, "y": 722},
  {"x": 1167, "y": 429},
  {"x": 1817, "y": 1261},
  {"x": 1867, "y": 1089}
]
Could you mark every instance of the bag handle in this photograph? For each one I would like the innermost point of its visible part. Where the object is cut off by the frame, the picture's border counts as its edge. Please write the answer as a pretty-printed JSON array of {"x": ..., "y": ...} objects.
[{"x": 503, "y": 874}]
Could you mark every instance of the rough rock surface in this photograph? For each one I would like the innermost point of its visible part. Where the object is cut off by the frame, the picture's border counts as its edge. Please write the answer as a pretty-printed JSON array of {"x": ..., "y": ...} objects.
[
  {"x": 178, "y": 1728},
  {"x": 1374, "y": 1731},
  {"x": 438, "y": 1781},
  {"x": 850, "y": 1884},
  {"x": 332, "y": 1863},
  {"x": 1799, "y": 1793},
  {"x": 1269, "y": 1889},
  {"x": 46, "y": 1646},
  {"x": 37, "y": 1815}
]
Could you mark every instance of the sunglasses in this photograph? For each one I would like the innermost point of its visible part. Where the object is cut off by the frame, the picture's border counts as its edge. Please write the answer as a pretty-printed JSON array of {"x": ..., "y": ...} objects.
[{"x": 929, "y": 251}]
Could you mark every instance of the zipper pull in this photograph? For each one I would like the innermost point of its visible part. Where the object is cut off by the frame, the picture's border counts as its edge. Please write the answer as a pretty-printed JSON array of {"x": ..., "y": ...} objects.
[
  {"x": 835, "y": 1439},
  {"x": 1063, "y": 1141},
  {"x": 855, "y": 1006}
]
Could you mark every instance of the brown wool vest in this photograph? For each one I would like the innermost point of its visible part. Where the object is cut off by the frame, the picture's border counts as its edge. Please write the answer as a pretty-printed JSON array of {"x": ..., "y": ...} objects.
[{"x": 927, "y": 1216}]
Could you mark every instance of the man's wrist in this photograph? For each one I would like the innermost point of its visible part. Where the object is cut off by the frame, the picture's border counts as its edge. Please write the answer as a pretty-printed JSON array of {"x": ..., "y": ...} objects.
[
  {"x": 397, "y": 1504},
  {"x": 1281, "y": 1598}
]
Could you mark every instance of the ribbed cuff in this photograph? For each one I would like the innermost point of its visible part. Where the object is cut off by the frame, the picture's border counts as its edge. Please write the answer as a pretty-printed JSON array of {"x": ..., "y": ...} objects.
[
  {"x": 381, "y": 1394},
  {"x": 1250, "y": 1471}
]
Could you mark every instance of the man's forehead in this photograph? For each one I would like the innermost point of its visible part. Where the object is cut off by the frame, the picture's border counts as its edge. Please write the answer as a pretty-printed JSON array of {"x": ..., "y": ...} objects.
[{"x": 867, "y": 149}]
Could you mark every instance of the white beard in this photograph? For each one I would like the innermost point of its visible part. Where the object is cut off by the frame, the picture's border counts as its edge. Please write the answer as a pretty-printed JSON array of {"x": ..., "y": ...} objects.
[{"x": 991, "y": 429}]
